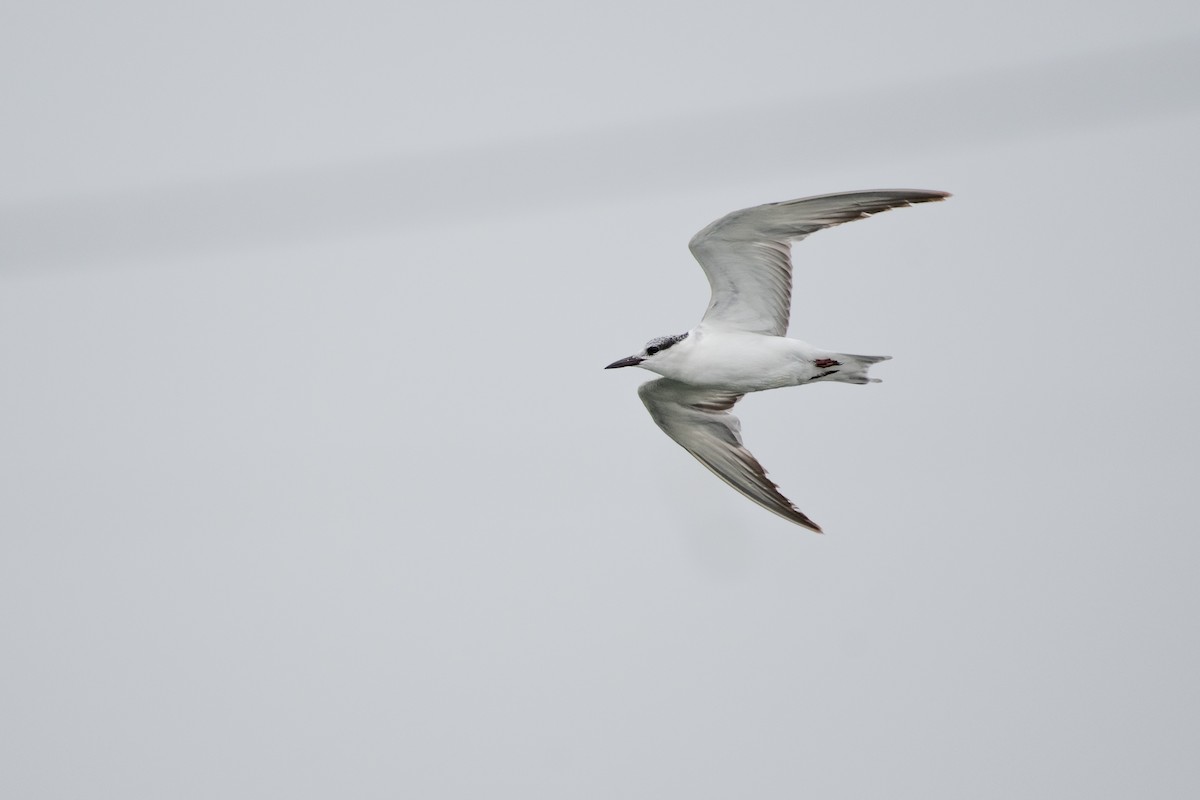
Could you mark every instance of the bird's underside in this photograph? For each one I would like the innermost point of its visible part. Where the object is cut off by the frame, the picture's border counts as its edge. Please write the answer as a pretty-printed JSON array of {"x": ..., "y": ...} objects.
[{"x": 746, "y": 256}]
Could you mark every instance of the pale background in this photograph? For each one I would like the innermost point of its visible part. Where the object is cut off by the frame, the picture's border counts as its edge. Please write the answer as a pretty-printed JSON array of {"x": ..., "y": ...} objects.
[{"x": 313, "y": 485}]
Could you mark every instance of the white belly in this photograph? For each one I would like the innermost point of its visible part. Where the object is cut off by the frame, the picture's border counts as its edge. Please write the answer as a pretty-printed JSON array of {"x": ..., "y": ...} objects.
[{"x": 745, "y": 362}]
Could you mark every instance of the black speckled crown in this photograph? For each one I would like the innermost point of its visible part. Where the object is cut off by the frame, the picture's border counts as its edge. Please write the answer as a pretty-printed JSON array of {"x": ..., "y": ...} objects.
[{"x": 663, "y": 342}]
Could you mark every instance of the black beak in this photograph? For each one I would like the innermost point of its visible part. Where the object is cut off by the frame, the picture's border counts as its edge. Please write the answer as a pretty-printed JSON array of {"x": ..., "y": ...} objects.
[{"x": 631, "y": 361}]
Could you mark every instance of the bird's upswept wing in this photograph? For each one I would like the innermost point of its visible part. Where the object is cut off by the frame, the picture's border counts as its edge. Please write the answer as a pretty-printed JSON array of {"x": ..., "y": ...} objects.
[
  {"x": 747, "y": 254},
  {"x": 698, "y": 419}
]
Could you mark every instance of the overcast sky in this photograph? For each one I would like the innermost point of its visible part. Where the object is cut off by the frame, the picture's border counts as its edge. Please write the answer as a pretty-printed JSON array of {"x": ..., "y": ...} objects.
[{"x": 314, "y": 485}]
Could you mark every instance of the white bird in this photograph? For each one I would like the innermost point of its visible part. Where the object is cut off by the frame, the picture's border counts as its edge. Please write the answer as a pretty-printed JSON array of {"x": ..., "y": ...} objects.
[{"x": 739, "y": 345}]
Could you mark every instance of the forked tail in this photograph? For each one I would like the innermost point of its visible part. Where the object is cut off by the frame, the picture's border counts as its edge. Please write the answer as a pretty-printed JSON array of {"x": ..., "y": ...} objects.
[{"x": 853, "y": 368}]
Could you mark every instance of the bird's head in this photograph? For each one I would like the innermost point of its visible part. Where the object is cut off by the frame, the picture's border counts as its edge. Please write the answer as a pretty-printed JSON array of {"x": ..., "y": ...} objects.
[{"x": 655, "y": 351}]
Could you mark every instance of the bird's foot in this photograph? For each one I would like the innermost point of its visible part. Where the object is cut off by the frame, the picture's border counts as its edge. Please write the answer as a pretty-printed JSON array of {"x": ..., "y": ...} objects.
[{"x": 826, "y": 362}]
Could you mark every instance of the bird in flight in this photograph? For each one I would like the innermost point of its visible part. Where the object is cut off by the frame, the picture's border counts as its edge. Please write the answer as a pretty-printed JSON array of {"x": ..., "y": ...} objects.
[{"x": 739, "y": 345}]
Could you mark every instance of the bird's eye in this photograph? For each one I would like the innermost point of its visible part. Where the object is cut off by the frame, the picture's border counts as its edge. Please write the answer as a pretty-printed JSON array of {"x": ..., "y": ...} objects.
[{"x": 651, "y": 351}]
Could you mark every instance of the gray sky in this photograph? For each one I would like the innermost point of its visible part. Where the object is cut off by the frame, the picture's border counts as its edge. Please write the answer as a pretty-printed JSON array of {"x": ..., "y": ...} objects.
[{"x": 313, "y": 484}]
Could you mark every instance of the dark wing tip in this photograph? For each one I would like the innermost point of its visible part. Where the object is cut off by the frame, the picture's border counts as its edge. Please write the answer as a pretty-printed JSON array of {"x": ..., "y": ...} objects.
[
  {"x": 928, "y": 196},
  {"x": 887, "y": 199},
  {"x": 800, "y": 518},
  {"x": 899, "y": 198},
  {"x": 778, "y": 503}
]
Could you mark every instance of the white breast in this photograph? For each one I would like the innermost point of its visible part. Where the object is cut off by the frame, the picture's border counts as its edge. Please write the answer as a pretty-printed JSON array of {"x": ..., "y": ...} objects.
[{"x": 742, "y": 362}]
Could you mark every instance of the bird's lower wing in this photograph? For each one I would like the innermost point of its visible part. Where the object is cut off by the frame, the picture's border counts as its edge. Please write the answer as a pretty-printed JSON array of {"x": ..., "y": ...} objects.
[{"x": 699, "y": 421}]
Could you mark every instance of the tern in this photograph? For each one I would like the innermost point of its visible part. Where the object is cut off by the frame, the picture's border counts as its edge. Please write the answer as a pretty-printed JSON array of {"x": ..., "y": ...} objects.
[{"x": 740, "y": 344}]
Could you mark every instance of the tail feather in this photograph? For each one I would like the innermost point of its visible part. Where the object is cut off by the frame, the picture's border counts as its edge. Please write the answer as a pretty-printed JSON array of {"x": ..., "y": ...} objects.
[{"x": 854, "y": 368}]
